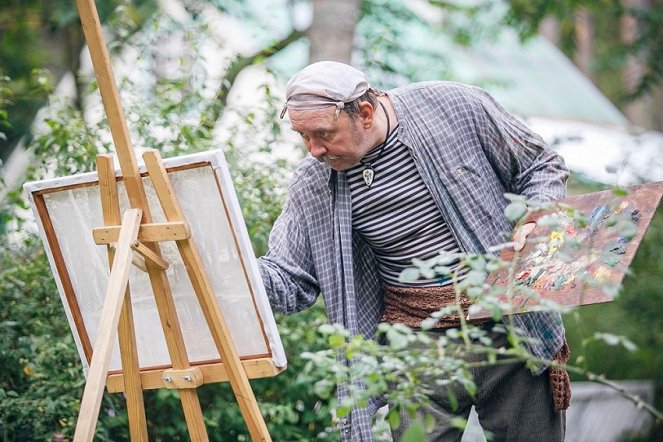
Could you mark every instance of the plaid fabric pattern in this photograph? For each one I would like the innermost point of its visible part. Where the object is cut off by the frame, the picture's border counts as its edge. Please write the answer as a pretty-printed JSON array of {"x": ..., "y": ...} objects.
[{"x": 469, "y": 151}]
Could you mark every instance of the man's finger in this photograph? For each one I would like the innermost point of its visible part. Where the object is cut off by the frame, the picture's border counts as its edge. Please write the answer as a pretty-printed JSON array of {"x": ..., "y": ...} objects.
[{"x": 520, "y": 237}]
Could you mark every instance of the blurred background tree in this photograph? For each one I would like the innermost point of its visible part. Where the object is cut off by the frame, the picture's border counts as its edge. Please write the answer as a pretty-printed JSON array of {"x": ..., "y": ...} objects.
[{"x": 616, "y": 43}]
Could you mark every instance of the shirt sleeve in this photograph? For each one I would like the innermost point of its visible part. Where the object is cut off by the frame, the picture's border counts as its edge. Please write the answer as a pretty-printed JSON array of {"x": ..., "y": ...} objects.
[
  {"x": 287, "y": 270},
  {"x": 520, "y": 157}
]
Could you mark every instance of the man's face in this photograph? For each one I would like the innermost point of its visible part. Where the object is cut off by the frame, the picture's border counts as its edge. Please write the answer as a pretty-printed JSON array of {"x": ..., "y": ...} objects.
[{"x": 340, "y": 142}]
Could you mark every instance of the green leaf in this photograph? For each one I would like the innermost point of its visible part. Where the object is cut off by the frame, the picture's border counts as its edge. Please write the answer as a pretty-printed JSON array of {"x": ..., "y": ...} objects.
[
  {"x": 336, "y": 341},
  {"x": 459, "y": 422},
  {"x": 394, "y": 419},
  {"x": 429, "y": 422},
  {"x": 408, "y": 275},
  {"x": 620, "y": 192},
  {"x": 323, "y": 388},
  {"x": 627, "y": 228},
  {"x": 515, "y": 211},
  {"x": 396, "y": 340},
  {"x": 453, "y": 400},
  {"x": 415, "y": 433},
  {"x": 326, "y": 329},
  {"x": 513, "y": 197},
  {"x": 429, "y": 323}
]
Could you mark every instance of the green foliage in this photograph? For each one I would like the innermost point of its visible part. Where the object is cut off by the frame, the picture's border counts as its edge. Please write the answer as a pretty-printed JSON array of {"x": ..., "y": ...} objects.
[
  {"x": 41, "y": 383},
  {"x": 393, "y": 35},
  {"x": 40, "y": 34},
  {"x": 401, "y": 365},
  {"x": 612, "y": 51}
]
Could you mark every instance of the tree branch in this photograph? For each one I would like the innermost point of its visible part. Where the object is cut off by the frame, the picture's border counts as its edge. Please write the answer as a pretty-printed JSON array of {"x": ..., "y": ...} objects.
[{"x": 215, "y": 108}]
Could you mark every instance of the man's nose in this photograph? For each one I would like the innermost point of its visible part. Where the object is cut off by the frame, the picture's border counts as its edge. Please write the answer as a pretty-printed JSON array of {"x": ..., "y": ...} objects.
[{"x": 316, "y": 149}]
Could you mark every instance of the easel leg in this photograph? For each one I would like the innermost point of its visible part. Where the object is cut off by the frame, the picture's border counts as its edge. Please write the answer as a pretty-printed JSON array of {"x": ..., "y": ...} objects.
[
  {"x": 110, "y": 316},
  {"x": 172, "y": 332},
  {"x": 136, "y": 193},
  {"x": 177, "y": 350},
  {"x": 110, "y": 206},
  {"x": 208, "y": 303}
]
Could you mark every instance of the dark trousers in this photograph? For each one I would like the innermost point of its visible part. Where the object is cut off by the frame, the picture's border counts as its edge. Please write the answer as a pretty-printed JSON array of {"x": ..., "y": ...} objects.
[{"x": 512, "y": 404}]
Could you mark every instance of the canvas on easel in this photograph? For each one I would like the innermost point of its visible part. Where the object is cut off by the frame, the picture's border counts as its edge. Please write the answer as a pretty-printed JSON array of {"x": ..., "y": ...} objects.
[
  {"x": 68, "y": 210},
  {"x": 71, "y": 221}
]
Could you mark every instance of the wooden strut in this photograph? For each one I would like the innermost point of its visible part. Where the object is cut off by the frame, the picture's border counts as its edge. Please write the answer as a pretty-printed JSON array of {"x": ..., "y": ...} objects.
[
  {"x": 110, "y": 207},
  {"x": 138, "y": 234},
  {"x": 110, "y": 317}
]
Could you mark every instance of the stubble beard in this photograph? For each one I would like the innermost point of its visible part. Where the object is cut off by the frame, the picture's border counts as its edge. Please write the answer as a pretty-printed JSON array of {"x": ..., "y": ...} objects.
[{"x": 358, "y": 145}]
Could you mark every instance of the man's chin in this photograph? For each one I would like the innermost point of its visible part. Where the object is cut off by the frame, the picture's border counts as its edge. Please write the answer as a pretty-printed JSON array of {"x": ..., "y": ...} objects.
[{"x": 338, "y": 164}]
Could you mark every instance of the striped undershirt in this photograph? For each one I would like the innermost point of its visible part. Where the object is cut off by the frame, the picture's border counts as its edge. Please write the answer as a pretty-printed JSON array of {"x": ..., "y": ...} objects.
[{"x": 397, "y": 216}]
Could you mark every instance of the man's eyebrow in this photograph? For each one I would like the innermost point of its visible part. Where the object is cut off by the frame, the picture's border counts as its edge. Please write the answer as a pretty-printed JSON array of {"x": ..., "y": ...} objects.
[{"x": 313, "y": 129}]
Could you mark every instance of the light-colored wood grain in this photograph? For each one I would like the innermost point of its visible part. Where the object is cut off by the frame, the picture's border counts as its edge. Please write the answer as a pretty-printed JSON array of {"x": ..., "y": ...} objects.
[
  {"x": 112, "y": 105},
  {"x": 150, "y": 255},
  {"x": 213, "y": 372},
  {"x": 149, "y": 232},
  {"x": 139, "y": 262},
  {"x": 172, "y": 331},
  {"x": 110, "y": 316},
  {"x": 208, "y": 303},
  {"x": 137, "y": 199},
  {"x": 190, "y": 378},
  {"x": 110, "y": 205}
]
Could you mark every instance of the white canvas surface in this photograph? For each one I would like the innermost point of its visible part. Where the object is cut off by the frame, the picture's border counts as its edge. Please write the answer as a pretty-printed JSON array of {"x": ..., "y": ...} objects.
[{"x": 222, "y": 241}]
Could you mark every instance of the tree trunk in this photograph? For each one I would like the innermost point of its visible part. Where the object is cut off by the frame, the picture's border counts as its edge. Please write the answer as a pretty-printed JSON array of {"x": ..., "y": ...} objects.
[
  {"x": 584, "y": 54},
  {"x": 636, "y": 111},
  {"x": 332, "y": 32},
  {"x": 549, "y": 28}
]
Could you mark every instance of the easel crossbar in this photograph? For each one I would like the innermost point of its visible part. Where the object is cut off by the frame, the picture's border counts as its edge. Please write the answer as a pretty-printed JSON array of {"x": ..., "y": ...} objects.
[
  {"x": 153, "y": 379},
  {"x": 149, "y": 232}
]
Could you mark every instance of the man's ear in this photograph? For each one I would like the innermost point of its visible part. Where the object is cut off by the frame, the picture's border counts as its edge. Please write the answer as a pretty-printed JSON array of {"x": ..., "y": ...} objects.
[{"x": 366, "y": 114}]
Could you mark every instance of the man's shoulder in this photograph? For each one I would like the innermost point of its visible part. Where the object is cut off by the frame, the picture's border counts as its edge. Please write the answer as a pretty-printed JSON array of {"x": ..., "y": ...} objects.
[
  {"x": 309, "y": 174},
  {"x": 437, "y": 97},
  {"x": 437, "y": 88}
]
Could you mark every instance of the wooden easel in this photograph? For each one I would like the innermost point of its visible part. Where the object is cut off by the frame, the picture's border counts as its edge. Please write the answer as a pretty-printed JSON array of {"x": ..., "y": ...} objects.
[{"x": 136, "y": 238}]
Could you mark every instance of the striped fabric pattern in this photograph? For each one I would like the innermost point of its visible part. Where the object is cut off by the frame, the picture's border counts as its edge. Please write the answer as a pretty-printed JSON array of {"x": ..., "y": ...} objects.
[{"x": 382, "y": 214}]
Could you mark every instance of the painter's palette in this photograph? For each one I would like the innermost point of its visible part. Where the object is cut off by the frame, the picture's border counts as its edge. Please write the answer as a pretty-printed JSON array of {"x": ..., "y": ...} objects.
[{"x": 582, "y": 262}]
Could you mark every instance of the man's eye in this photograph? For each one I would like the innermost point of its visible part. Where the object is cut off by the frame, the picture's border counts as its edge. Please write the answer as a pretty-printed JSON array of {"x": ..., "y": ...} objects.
[
  {"x": 323, "y": 134},
  {"x": 304, "y": 137}
]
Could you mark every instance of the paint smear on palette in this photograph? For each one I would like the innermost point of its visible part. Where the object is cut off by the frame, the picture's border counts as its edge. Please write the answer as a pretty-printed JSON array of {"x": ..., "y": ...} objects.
[
  {"x": 569, "y": 253},
  {"x": 570, "y": 259}
]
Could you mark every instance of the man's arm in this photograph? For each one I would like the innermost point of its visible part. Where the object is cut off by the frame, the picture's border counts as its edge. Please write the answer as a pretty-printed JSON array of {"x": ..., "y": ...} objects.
[
  {"x": 287, "y": 270},
  {"x": 520, "y": 157}
]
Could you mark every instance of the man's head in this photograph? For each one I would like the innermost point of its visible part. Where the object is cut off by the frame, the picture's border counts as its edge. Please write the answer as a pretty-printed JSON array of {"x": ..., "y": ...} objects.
[{"x": 332, "y": 106}]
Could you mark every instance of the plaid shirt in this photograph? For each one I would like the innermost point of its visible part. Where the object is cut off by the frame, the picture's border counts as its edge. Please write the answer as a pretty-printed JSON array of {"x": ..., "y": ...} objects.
[{"x": 469, "y": 152}]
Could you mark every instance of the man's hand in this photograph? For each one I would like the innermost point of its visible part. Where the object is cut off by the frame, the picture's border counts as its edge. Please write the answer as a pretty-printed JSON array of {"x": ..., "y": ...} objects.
[{"x": 520, "y": 236}]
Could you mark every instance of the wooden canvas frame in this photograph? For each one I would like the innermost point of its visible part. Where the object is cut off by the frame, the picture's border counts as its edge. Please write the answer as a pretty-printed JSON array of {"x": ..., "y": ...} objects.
[{"x": 70, "y": 191}]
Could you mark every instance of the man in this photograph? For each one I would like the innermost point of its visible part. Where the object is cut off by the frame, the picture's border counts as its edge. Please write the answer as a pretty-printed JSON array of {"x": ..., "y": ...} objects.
[{"x": 398, "y": 175}]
